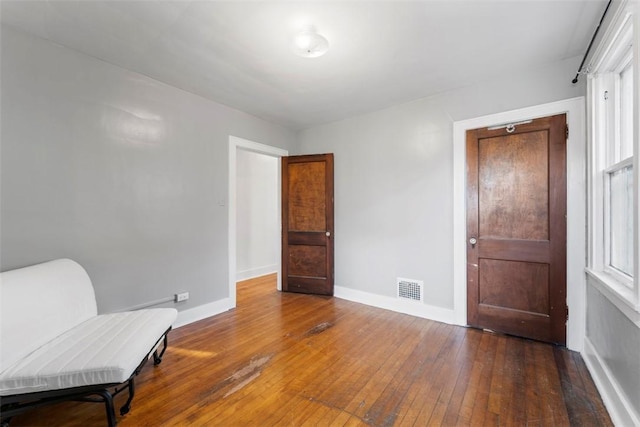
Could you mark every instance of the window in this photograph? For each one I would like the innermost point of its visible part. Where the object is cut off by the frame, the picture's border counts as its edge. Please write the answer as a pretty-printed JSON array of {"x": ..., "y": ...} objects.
[
  {"x": 613, "y": 93},
  {"x": 618, "y": 175},
  {"x": 619, "y": 210}
]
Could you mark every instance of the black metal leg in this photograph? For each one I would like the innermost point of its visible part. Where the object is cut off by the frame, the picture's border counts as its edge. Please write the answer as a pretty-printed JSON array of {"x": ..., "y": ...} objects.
[
  {"x": 108, "y": 403},
  {"x": 158, "y": 358},
  {"x": 127, "y": 406}
]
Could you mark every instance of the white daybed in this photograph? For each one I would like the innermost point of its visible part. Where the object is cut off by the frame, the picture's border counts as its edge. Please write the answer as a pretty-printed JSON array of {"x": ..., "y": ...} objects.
[{"x": 54, "y": 346}]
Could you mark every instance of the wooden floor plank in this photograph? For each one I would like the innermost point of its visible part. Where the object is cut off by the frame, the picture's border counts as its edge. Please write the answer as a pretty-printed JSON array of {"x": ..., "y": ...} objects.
[
  {"x": 515, "y": 397},
  {"x": 466, "y": 380},
  {"x": 444, "y": 371},
  {"x": 385, "y": 410},
  {"x": 456, "y": 369},
  {"x": 532, "y": 391},
  {"x": 480, "y": 400},
  {"x": 283, "y": 359},
  {"x": 592, "y": 397},
  {"x": 412, "y": 404}
]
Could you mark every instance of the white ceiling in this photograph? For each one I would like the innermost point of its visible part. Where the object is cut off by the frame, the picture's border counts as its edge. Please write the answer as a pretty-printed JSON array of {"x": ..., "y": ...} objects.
[{"x": 382, "y": 53}]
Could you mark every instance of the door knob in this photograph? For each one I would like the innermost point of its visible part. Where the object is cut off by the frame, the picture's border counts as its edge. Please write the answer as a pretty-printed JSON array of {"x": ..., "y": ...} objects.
[
  {"x": 473, "y": 241},
  {"x": 328, "y": 234}
]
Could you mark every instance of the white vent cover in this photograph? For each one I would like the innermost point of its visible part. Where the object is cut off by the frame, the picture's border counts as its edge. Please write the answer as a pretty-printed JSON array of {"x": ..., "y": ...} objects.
[{"x": 410, "y": 289}]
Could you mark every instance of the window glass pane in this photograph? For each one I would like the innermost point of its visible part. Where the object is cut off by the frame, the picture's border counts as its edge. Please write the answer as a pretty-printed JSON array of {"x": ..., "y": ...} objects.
[
  {"x": 621, "y": 219},
  {"x": 626, "y": 113}
]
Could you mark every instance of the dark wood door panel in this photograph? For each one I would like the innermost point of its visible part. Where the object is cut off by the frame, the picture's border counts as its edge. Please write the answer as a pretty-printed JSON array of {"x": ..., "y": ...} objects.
[
  {"x": 516, "y": 229},
  {"x": 307, "y": 224},
  {"x": 517, "y": 250},
  {"x": 513, "y": 285},
  {"x": 513, "y": 186},
  {"x": 309, "y": 285},
  {"x": 307, "y": 238},
  {"x": 521, "y": 324},
  {"x": 307, "y": 261},
  {"x": 307, "y": 192}
]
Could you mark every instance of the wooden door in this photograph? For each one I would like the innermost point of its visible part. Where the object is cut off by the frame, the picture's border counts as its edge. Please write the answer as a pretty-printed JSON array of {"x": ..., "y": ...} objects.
[
  {"x": 516, "y": 229},
  {"x": 307, "y": 224}
]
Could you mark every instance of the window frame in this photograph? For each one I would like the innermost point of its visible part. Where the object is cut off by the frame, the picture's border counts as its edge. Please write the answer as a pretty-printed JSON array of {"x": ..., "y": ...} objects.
[{"x": 611, "y": 58}]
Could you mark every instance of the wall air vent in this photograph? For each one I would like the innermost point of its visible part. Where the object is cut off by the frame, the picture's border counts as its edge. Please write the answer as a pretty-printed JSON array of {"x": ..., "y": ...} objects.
[{"x": 410, "y": 289}]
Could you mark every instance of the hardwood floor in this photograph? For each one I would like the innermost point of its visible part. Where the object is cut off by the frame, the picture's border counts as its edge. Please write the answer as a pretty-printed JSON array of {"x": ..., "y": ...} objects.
[{"x": 283, "y": 359}]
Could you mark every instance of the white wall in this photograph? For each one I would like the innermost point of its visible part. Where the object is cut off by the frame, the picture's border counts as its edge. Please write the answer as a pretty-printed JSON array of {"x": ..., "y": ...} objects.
[
  {"x": 613, "y": 355},
  {"x": 257, "y": 224},
  {"x": 394, "y": 181},
  {"x": 124, "y": 174}
]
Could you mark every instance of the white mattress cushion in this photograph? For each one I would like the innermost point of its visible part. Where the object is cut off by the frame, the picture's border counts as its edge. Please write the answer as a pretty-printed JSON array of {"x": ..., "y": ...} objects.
[
  {"x": 102, "y": 350},
  {"x": 40, "y": 302}
]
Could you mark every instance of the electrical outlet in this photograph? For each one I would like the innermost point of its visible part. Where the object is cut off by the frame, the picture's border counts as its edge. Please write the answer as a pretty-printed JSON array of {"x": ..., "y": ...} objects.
[{"x": 182, "y": 296}]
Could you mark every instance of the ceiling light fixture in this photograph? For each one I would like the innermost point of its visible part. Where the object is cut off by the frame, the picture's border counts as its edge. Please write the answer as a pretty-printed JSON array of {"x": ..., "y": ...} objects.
[{"x": 309, "y": 44}]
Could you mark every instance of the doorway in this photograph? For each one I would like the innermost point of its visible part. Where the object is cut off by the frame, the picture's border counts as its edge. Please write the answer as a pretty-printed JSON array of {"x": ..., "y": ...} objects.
[
  {"x": 257, "y": 225},
  {"x": 576, "y": 207},
  {"x": 239, "y": 151}
]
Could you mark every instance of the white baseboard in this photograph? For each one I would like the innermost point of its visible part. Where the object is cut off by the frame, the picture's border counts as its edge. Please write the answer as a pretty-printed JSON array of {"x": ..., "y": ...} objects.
[
  {"x": 620, "y": 410},
  {"x": 256, "y": 272},
  {"x": 202, "y": 312},
  {"x": 425, "y": 311}
]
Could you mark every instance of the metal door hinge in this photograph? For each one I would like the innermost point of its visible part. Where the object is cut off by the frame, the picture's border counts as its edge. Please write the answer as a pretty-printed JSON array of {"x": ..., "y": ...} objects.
[
  {"x": 566, "y": 127},
  {"x": 567, "y": 313}
]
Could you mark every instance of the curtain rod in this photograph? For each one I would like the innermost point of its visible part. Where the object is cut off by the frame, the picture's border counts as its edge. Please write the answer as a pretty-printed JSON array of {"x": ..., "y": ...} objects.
[{"x": 575, "y": 80}]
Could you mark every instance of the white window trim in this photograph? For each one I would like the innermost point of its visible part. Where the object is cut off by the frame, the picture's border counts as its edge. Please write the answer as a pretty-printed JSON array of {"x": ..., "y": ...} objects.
[{"x": 611, "y": 56}]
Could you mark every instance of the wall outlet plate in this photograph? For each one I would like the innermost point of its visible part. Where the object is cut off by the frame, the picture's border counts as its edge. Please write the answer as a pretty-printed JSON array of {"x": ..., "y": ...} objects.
[{"x": 182, "y": 296}]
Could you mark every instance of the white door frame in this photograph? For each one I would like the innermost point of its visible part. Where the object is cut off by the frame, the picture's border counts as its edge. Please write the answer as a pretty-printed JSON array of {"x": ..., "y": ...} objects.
[
  {"x": 236, "y": 144},
  {"x": 576, "y": 208}
]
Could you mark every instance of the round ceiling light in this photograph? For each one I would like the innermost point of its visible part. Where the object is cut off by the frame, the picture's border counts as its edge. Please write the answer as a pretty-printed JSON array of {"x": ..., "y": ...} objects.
[{"x": 309, "y": 44}]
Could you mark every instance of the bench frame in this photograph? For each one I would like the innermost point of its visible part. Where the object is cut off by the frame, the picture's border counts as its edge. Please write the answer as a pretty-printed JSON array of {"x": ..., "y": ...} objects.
[{"x": 13, "y": 405}]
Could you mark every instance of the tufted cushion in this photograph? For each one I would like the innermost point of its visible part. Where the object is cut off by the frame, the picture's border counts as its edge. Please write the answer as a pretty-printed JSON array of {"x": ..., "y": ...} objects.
[{"x": 101, "y": 350}]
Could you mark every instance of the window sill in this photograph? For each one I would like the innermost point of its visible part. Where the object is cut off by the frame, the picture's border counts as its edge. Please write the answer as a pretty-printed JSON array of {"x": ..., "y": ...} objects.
[{"x": 617, "y": 293}]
